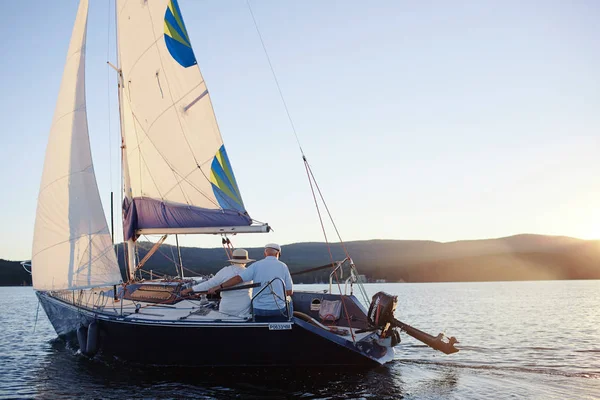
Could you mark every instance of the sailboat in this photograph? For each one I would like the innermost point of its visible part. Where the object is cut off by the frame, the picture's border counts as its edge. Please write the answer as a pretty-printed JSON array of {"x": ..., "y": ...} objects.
[{"x": 177, "y": 180}]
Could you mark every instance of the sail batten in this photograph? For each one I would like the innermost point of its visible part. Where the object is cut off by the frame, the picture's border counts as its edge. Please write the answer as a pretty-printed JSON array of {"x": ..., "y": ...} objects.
[
  {"x": 173, "y": 145},
  {"x": 72, "y": 247}
]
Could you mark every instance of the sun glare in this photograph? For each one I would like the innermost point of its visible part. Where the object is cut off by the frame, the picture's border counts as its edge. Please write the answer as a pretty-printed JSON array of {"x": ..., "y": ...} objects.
[{"x": 595, "y": 233}]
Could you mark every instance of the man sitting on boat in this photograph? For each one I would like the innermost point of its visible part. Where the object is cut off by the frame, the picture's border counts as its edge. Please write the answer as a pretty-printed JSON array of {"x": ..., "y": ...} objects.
[
  {"x": 270, "y": 304},
  {"x": 233, "y": 302}
]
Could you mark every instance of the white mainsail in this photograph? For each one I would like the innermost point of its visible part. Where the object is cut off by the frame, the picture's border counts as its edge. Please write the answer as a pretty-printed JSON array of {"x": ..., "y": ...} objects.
[
  {"x": 179, "y": 171},
  {"x": 72, "y": 247}
]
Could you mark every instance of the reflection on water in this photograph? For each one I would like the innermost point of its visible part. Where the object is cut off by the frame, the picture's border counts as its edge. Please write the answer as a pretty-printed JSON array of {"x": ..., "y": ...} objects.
[
  {"x": 518, "y": 340},
  {"x": 442, "y": 385},
  {"x": 63, "y": 372}
]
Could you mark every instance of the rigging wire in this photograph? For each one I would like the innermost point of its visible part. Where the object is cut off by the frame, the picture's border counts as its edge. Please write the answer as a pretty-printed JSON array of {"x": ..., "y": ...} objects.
[
  {"x": 275, "y": 77},
  {"x": 166, "y": 256},
  {"x": 108, "y": 107},
  {"x": 173, "y": 256},
  {"x": 309, "y": 172},
  {"x": 337, "y": 280},
  {"x": 227, "y": 246},
  {"x": 108, "y": 68},
  {"x": 308, "y": 169},
  {"x": 120, "y": 93},
  {"x": 179, "y": 255},
  {"x": 312, "y": 178}
]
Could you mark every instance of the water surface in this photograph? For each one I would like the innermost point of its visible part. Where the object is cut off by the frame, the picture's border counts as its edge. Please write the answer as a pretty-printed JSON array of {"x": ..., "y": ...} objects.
[{"x": 535, "y": 340}]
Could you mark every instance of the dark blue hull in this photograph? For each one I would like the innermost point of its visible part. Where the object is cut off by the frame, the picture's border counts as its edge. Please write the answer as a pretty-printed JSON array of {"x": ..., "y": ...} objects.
[{"x": 212, "y": 344}]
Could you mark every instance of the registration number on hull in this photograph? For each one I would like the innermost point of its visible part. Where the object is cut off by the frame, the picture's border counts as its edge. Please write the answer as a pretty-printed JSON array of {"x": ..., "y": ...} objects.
[{"x": 280, "y": 326}]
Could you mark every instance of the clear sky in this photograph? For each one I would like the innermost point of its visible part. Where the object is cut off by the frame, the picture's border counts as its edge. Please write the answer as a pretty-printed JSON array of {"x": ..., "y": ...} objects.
[{"x": 422, "y": 120}]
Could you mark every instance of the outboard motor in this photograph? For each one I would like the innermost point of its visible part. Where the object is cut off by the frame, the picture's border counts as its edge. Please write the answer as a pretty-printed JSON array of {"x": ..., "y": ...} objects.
[
  {"x": 381, "y": 310},
  {"x": 381, "y": 315}
]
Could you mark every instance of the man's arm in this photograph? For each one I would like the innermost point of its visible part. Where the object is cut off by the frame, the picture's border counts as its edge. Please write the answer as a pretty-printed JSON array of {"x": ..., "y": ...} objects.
[
  {"x": 219, "y": 278},
  {"x": 229, "y": 282}
]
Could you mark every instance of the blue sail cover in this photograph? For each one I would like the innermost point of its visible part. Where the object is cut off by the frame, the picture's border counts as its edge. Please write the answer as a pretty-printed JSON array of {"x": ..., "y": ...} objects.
[{"x": 148, "y": 213}]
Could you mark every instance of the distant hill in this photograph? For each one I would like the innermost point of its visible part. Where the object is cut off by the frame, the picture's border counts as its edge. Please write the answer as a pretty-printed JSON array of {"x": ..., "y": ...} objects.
[{"x": 520, "y": 257}]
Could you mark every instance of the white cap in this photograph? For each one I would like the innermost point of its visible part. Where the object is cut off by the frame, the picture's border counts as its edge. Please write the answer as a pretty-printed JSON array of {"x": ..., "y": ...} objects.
[{"x": 274, "y": 246}]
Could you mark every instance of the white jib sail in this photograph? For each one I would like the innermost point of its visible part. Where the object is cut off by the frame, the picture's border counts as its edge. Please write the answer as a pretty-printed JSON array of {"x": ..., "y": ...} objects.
[
  {"x": 72, "y": 248},
  {"x": 174, "y": 147}
]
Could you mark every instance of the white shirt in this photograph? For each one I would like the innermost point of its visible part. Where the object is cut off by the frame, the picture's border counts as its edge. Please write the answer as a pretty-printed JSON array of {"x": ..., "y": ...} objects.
[
  {"x": 233, "y": 302},
  {"x": 263, "y": 272}
]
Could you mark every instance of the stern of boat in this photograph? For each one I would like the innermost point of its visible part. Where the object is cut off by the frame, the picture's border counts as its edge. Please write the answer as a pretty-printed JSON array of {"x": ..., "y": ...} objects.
[{"x": 343, "y": 320}]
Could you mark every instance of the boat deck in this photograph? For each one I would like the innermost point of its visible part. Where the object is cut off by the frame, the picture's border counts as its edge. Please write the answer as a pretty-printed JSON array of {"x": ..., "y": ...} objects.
[{"x": 190, "y": 310}]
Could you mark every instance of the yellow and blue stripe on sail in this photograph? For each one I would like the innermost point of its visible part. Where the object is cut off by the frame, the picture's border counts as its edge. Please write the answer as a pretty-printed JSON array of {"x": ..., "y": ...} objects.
[
  {"x": 223, "y": 182},
  {"x": 176, "y": 36}
]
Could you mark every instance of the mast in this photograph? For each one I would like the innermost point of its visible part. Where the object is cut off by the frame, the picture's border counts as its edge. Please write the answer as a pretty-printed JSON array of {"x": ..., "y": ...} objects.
[
  {"x": 180, "y": 271},
  {"x": 127, "y": 192}
]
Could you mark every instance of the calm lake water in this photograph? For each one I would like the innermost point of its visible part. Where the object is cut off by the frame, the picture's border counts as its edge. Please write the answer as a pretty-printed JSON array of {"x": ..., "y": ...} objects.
[{"x": 534, "y": 340}]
